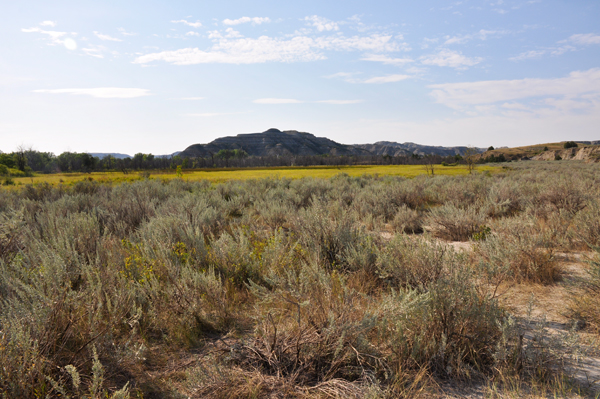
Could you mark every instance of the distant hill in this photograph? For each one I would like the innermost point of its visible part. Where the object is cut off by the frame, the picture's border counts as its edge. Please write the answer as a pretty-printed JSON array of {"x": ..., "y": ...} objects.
[
  {"x": 113, "y": 154},
  {"x": 168, "y": 155},
  {"x": 123, "y": 156},
  {"x": 586, "y": 150},
  {"x": 397, "y": 149},
  {"x": 274, "y": 142}
]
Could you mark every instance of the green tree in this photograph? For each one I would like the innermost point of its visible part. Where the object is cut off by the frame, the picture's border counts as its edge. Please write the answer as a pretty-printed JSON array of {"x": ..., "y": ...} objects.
[
  {"x": 8, "y": 160},
  {"x": 88, "y": 162},
  {"x": 20, "y": 158},
  {"x": 109, "y": 162},
  {"x": 225, "y": 154}
]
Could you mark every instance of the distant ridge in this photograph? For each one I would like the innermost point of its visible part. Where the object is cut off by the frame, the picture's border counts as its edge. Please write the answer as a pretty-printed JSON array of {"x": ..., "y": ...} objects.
[
  {"x": 275, "y": 142},
  {"x": 123, "y": 156},
  {"x": 112, "y": 154},
  {"x": 398, "y": 149}
]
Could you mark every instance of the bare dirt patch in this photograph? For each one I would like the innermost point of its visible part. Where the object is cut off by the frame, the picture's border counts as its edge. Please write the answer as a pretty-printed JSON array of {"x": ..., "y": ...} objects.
[{"x": 537, "y": 305}]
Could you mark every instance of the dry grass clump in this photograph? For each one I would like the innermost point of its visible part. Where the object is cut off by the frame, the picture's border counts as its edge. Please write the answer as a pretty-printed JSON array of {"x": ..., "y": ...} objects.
[
  {"x": 519, "y": 252},
  {"x": 585, "y": 307},
  {"x": 564, "y": 195},
  {"x": 587, "y": 225},
  {"x": 314, "y": 332},
  {"x": 11, "y": 230}
]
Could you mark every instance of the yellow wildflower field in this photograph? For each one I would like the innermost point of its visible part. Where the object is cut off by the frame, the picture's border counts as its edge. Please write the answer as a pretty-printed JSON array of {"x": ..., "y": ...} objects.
[{"x": 222, "y": 175}]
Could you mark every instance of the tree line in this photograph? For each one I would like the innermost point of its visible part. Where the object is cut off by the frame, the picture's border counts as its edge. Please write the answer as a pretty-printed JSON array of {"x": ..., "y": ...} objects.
[{"x": 29, "y": 160}]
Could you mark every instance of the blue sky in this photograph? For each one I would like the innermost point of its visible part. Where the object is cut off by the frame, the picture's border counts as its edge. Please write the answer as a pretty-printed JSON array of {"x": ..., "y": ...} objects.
[{"x": 157, "y": 76}]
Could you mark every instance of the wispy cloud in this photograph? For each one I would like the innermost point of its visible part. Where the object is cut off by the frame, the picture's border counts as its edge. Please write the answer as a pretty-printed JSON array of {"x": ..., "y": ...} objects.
[
  {"x": 196, "y": 24},
  {"x": 52, "y": 24},
  {"x": 387, "y": 79},
  {"x": 192, "y": 98},
  {"x": 352, "y": 77},
  {"x": 54, "y": 36},
  {"x": 244, "y": 20},
  {"x": 449, "y": 58},
  {"x": 452, "y": 5},
  {"x": 277, "y": 101},
  {"x": 584, "y": 39},
  {"x": 125, "y": 33},
  {"x": 349, "y": 77},
  {"x": 242, "y": 50},
  {"x": 342, "y": 75},
  {"x": 106, "y": 37},
  {"x": 322, "y": 24},
  {"x": 211, "y": 114},
  {"x": 100, "y": 92},
  {"x": 340, "y": 102},
  {"x": 578, "y": 87},
  {"x": 387, "y": 60},
  {"x": 481, "y": 35},
  {"x": 572, "y": 43},
  {"x": 427, "y": 42},
  {"x": 192, "y": 33},
  {"x": 527, "y": 55},
  {"x": 295, "y": 101},
  {"x": 95, "y": 51}
]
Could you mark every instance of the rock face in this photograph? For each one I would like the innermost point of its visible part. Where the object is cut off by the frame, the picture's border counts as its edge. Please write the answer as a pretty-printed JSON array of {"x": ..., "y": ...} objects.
[
  {"x": 591, "y": 154},
  {"x": 274, "y": 142},
  {"x": 398, "y": 149}
]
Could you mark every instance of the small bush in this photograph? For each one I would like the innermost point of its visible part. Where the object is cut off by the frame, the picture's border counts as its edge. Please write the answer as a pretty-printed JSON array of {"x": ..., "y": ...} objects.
[
  {"x": 519, "y": 254},
  {"x": 408, "y": 221},
  {"x": 407, "y": 262},
  {"x": 452, "y": 328},
  {"x": 328, "y": 233},
  {"x": 455, "y": 224},
  {"x": 570, "y": 144}
]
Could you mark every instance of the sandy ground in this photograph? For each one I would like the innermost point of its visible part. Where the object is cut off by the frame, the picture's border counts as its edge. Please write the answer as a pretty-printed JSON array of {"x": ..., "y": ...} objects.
[{"x": 536, "y": 306}]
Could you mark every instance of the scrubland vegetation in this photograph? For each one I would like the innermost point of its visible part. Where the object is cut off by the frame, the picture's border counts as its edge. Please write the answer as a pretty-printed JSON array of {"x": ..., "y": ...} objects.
[{"x": 327, "y": 288}]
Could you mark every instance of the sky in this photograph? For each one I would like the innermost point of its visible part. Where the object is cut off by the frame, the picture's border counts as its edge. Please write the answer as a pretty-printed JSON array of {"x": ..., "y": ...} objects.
[{"x": 157, "y": 76}]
